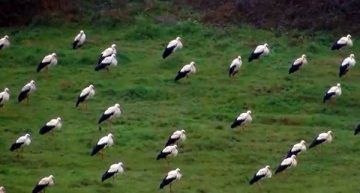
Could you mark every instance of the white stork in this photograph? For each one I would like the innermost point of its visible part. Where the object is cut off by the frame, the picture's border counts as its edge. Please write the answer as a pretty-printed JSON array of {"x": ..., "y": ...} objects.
[
  {"x": 107, "y": 52},
  {"x": 186, "y": 71},
  {"x": 79, "y": 40},
  {"x": 4, "y": 97},
  {"x": 85, "y": 95},
  {"x": 110, "y": 113},
  {"x": 168, "y": 151},
  {"x": 26, "y": 91},
  {"x": 171, "y": 177},
  {"x": 176, "y": 137},
  {"x": 287, "y": 163},
  {"x": 107, "y": 62},
  {"x": 297, "y": 64},
  {"x": 20, "y": 142},
  {"x": 297, "y": 149},
  {"x": 2, "y": 189},
  {"x": 113, "y": 171},
  {"x": 343, "y": 41},
  {"x": 51, "y": 126},
  {"x": 260, "y": 50},
  {"x": 103, "y": 143},
  {"x": 172, "y": 47},
  {"x": 235, "y": 66},
  {"x": 242, "y": 119},
  {"x": 346, "y": 64},
  {"x": 4, "y": 42},
  {"x": 263, "y": 173},
  {"x": 357, "y": 129},
  {"x": 44, "y": 183},
  {"x": 48, "y": 61},
  {"x": 333, "y": 92},
  {"x": 321, "y": 138}
]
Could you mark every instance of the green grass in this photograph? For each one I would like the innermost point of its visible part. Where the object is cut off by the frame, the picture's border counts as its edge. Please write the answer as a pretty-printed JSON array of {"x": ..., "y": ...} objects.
[{"x": 215, "y": 158}]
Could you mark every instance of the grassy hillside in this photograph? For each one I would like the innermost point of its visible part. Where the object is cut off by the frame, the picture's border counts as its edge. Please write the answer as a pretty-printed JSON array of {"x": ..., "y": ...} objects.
[{"x": 214, "y": 159}]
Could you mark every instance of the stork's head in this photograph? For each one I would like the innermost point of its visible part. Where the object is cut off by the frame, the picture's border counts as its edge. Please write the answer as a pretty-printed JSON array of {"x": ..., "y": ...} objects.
[
  {"x": 113, "y": 45},
  {"x": 178, "y": 38},
  {"x": 53, "y": 54},
  {"x": 6, "y": 37},
  {"x": 177, "y": 169},
  {"x": 59, "y": 118},
  {"x": 110, "y": 135},
  {"x": 302, "y": 142},
  {"x": 81, "y": 31},
  {"x": 267, "y": 167},
  {"x": 120, "y": 163},
  {"x": 117, "y": 105},
  {"x": 2, "y": 188},
  {"x": 303, "y": 56},
  {"x": 192, "y": 63},
  {"x": 32, "y": 82},
  {"x": 239, "y": 57},
  {"x": 248, "y": 112},
  {"x": 352, "y": 56},
  {"x": 329, "y": 132},
  {"x": 338, "y": 85},
  {"x": 175, "y": 146},
  {"x": 293, "y": 156},
  {"x": 52, "y": 177},
  {"x": 182, "y": 131},
  {"x": 91, "y": 86},
  {"x": 266, "y": 45},
  {"x": 113, "y": 55},
  {"x": 348, "y": 36},
  {"x": 27, "y": 135},
  {"x": 7, "y": 90}
]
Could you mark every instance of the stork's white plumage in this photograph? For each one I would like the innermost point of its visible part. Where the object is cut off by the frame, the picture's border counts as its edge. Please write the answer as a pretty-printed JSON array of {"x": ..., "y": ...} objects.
[
  {"x": 297, "y": 149},
  {"x": 260, "y": 50},
  {"x": 172, "y": 46},
  {"x": 176, "y": 137},
  {"x": 186, "y": 71},
  {"x": 85, "y": 95},
  {"x": 103, "y": 143},
  {"x": 27, "y": 90},
  {"x": 113, "y": 171},
  {"x": 4, "y": 97},
  {"x": 298, "y": 63},
  {"x": 242, "y": 119},
  {"x": 287, "y": 163},
  {"x": 2, "y": 189},
  {"x": 343, "y": 41},
  {"x": 107, "y": 62},
  {"x": 346, "y": 64},
  {"x": 48, "y": 61},
  {"x": 168, "y": 151},
  {"x": 235, "y": 66},
  {"x": 171, "y": 177},
  {"x": 20, "y": 142},
  {"x": 4, "y": 42},
  {"x": 333, "y": 92},
  {"x": 263, "y": 173},
  {"x": 107, "y": 52},
  {"x": 79, "y": 39},
  {"x": 44, "y": 183},
  {"x": 51, "y": 126},
  {"x": 110, "y": 113},
  {"x": 322, "y": 138}
]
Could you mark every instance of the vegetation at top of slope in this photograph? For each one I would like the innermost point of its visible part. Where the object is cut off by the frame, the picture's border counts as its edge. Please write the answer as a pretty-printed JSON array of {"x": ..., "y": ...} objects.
[{"x": 334, "y": 16}]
